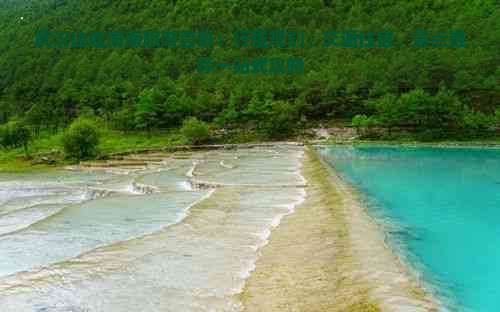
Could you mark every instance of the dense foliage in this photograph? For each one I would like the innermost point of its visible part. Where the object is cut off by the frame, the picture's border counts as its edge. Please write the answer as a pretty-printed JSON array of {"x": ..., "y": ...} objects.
[
  {"x": 423, "y": 113},
  {"x": 15, "y": 134},
  {"x": 152, "y": 88}
]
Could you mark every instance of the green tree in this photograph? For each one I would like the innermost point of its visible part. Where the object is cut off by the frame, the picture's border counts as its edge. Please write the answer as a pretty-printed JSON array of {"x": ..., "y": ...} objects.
[
  {"x": 389, "y": 112},
  {"x": 81, "y": 139},
  {"x": 121, "y": 119},
  {"x": 173, "y": 112},
  {"x": 15, "y": 134},
  {"x": 148, "y": 110},
  {"x": 281, "y": 120},
  {"x": 333, "y": 85},
  {"x": 195, "y": 131}
]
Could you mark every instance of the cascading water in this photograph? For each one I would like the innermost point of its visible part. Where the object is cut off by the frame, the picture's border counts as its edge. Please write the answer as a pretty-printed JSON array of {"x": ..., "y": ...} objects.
[{"x": 153, "y": 240}]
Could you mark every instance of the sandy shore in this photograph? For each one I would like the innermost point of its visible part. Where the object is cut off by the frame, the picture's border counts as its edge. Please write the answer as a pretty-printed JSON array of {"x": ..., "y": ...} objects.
[{"x": 331, "y": 256}]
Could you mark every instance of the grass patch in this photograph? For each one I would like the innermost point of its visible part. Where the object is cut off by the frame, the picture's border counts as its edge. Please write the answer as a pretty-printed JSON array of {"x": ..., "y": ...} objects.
[
  {"x": 48, "y": 148},
  {"x": 21, "y": 165},
  {"x": 117, "y": 141}
]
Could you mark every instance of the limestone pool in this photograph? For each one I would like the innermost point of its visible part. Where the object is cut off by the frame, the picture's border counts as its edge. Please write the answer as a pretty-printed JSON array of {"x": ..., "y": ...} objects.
[
  {"x": 442, "y": 210},
  {"x": 181, "y": 233}
]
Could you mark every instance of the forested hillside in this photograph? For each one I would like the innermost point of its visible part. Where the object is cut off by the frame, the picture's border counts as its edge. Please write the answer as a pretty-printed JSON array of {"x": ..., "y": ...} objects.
[{"x": 141, "y": 87}]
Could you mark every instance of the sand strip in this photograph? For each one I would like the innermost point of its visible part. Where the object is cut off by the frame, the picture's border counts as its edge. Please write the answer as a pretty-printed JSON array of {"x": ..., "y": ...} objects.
[{"x": 331, "y": 256}]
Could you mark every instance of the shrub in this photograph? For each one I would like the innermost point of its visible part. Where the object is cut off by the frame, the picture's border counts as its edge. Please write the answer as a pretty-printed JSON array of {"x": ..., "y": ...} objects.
[
  {"x": 80, "y": 140},
  {"x": 15, "y": 134},
  {"x": 476, "y": 120},
  {"x": 195, "y": 131},
  {"x": 360, "y": 121},
  {"x": 497, "y": 118},
  {"x": 364, "y": 126}
]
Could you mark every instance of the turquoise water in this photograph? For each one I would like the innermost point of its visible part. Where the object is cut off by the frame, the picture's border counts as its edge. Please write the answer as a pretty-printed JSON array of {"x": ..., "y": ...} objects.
[{"x": 444, "y": 207}]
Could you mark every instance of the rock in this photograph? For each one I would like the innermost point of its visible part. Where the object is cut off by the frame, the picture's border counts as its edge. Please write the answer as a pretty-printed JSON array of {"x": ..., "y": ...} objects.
[{"x": 44, "y": 161}]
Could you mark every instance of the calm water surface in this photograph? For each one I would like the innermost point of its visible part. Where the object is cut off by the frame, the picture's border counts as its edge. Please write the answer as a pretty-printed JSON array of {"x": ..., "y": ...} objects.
[{"x": 443, "y": 205}]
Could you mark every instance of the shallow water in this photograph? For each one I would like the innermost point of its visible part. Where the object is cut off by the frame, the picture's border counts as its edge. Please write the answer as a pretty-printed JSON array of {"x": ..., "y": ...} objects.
[
  {"x": 97, "y": 241},
  {"x": 442, "y": 208}
]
